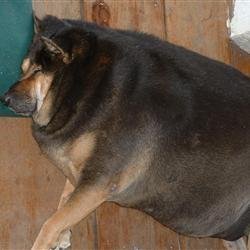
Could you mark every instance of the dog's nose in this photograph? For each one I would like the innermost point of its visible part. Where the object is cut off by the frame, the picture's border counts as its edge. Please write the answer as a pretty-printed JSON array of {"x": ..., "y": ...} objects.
[{"x": 5, "y": 99}]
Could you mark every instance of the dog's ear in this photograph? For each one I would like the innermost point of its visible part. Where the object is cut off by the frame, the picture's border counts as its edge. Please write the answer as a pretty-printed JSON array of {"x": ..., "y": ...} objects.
[
  {"x": 49, "y": 25},
  {"x": 55, "y": 49},
  {"x": 37, "y": 24},
  {"x": 79, "y": 43},
  {"x": 76, "y": 44}
]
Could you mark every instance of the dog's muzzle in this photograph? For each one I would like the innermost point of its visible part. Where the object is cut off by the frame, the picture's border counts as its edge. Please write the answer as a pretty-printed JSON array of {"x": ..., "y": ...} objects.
[
  {"x": 5, "y": 99},
  {"x": 18, "y": 102}
]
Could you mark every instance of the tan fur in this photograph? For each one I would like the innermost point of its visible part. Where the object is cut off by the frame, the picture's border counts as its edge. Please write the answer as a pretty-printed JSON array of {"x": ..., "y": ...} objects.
[
  {"x": 248, "y": 242},
  {"x": 82, "y": 149},
  {"x": 43, "y": 98},
  {"x": 76, "y": 208},
  {"x": 43, "y": 115},
  {"x": 42, "y": 85},
  {"x": 239, "y": 244},
  {"x": 29, "y": 70},
  {"x": 64, "y": 240},
  {"x": 137, "y": 165},
  {"x": 73, "y": 206},
  {"x": 72, "y": 156},
  {"x": 25, "y": 65},
  {"x": 27, "y": 87},
  {"x": 36, "y": 85},
  {"x": 134, "y": 170},
  {"x": 68, "y": 189}
]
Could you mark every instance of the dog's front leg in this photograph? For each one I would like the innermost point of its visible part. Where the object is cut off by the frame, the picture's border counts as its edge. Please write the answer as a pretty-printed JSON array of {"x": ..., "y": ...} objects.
[
  {"x": 64, "y": 241},
  {"x": 67, "y": 190},
  {"x": 82, "y": 202}
]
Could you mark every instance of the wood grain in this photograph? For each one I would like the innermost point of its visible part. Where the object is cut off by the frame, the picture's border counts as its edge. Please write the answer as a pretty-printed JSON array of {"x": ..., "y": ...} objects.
[
  {"x": 199, "y": 26},
  {"x": 61, "y": 8},
  {"x": 29, "y": 185},
  {"x": 84, "y": 233},
  {"x": 121, "y": 228},
  {"x": 240, "y": 59},
  {"x": 196, "y": 25},
  {"x": 143, "y": 15}
]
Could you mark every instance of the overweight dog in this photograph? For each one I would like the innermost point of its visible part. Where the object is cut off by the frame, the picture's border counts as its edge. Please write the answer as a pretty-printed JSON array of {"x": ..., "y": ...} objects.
[{"x": 131, "y": 119}]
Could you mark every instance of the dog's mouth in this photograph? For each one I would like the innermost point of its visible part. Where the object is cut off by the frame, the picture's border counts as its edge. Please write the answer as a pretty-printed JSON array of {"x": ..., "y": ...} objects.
[
  {"x": 20, "y": 104},
  {"x": 21, "y": 112}
]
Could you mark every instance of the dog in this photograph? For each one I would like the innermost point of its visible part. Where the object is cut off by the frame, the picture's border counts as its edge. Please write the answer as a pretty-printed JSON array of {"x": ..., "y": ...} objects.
[{"x": 135, "y": 120}]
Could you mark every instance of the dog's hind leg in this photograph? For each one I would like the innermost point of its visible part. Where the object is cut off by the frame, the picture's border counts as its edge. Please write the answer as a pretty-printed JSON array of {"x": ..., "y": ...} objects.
[
  {"x": 65, "y": 237},
  {"x": 248, "y": 242},
  {"x": 82, "y": 202},
  {"x": 235, "y": 245}
]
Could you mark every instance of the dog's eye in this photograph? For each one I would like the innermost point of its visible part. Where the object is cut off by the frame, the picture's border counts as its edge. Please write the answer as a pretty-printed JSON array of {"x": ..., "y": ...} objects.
[{"x": 36, "y": 70}]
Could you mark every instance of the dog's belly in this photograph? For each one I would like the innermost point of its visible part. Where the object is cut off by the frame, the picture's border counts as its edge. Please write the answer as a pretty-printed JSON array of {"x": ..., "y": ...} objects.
[
  {"x": 208, "y": 227},
  {"x": 198, "y": 203},
  {"x": 189, "y": 220},
  {"x": 238, "y": 229}
]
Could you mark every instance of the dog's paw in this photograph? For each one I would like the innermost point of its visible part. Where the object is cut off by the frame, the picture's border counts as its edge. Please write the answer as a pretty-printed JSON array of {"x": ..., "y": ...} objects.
[{"x": 64, "y": 241}]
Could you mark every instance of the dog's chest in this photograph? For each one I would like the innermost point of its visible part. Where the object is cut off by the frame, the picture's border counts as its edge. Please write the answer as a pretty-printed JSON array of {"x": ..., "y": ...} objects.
[{"x": 71, "y": 157}]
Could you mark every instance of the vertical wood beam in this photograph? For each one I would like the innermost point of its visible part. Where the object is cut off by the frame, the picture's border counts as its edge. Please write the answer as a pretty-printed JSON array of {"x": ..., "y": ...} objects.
[
  {"x": 29, "y": 185},
  {"x": 121, "y": 228},
  {"x": 84, "y": 233},
  {"x": 63, "y": 9},
  {"x": 240, "y": 59},
  {"x": 143, "y": 15},
  {"x": 199, "y": 26}
]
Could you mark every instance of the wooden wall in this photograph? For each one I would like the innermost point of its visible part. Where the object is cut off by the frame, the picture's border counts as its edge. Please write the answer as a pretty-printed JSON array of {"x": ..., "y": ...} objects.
[{"x": 30, "y": 186}]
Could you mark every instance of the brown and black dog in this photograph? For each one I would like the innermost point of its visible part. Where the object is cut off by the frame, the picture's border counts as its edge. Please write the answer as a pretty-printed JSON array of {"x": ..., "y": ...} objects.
[{"x": 131, "y": 119}]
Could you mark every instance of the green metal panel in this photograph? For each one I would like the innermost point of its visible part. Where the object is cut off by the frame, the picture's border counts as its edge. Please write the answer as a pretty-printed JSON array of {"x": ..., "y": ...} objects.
[{"x": 16, "y": 31}]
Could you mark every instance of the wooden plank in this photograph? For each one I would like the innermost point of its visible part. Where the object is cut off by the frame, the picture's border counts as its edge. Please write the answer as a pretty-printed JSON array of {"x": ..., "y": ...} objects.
[
  {"x": 131, "y": 229},
  {"x": 83, "y": 234},
  {"x": 143, "y": 15},
  {"x": 29, "y": 185},
  {"x": 188, "y": 243},
  {"x": 121, "y": 228},
  {"x": 64, "y": 9},
  {"x": 199, "y": 26},
  {"x": 208, "y": 37},
  {"x": 166, "y": 238},
  {"x": 240, "y": 59},
  {"x": 112, "y": 224},
  {"x": 239, "y": 244}
]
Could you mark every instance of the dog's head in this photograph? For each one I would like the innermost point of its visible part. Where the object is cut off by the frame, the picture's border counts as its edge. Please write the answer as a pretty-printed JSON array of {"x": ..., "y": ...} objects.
[{"x": 56, "y": 44}]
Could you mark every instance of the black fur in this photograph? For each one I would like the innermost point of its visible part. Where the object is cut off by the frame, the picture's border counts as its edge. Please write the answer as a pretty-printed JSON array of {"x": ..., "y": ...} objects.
[{"x": 147, "y": 97}]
